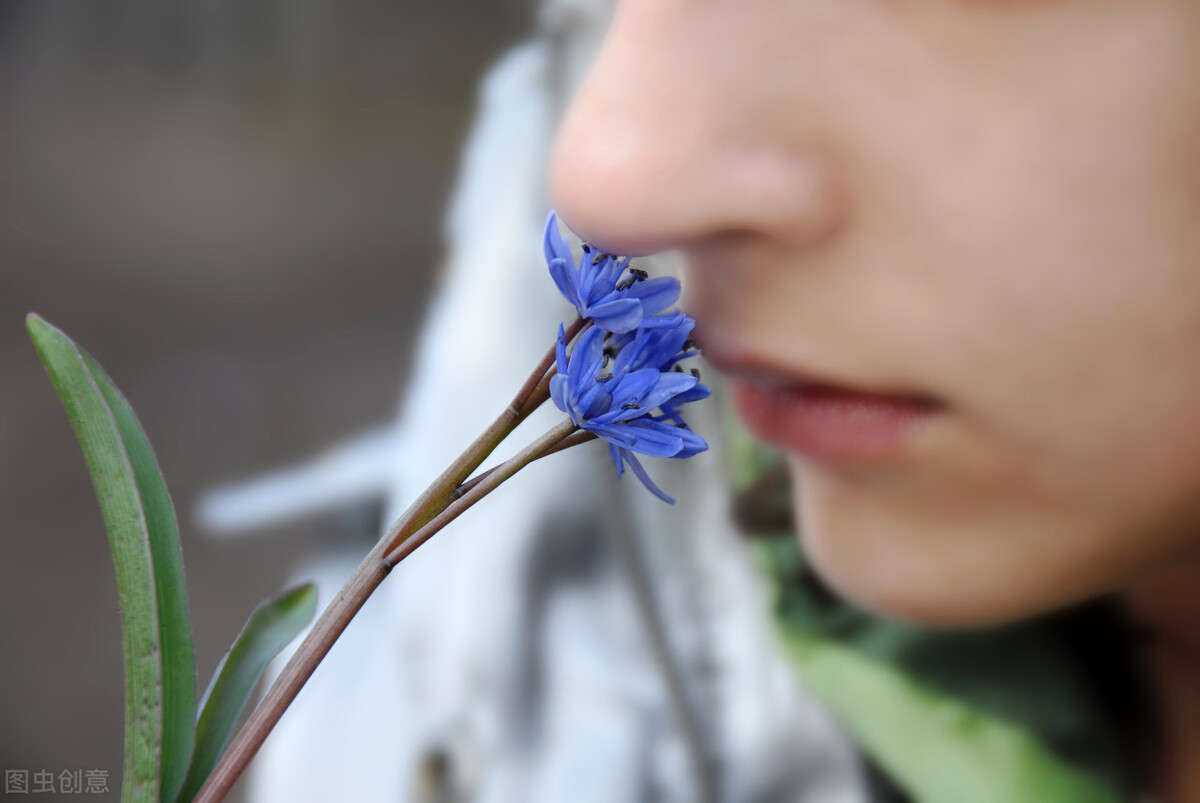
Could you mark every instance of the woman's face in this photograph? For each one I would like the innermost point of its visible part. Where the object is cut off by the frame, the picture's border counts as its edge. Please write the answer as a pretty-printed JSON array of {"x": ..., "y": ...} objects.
[{"x": 991, "y": 203}]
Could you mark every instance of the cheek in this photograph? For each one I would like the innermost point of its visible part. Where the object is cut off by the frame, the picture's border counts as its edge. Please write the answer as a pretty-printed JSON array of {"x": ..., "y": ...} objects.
[{"x": 1059, "y": 264}]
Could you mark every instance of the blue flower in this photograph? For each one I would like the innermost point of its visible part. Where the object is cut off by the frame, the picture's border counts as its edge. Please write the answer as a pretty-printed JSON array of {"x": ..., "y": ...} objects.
[
  {"x": 662, "y": 343},
  {"x": 599, "y": 288},
  {"x": 621, "y": 406}
]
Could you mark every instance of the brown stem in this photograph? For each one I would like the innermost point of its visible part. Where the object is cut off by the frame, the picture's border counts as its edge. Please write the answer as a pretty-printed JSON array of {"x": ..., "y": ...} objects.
[
  {"x": 539, "y": 448},
  {"x": 574, "y": 439},
  {"x": 539, "y": 376},
  {"x": 366, "y": 578},
  {"x": 435, "y": 502},
  {"x": 312, "y": 650}
]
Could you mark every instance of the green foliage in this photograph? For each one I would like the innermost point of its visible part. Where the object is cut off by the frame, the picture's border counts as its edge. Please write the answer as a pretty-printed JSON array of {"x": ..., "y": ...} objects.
[
  {"x": 163, "y": 736},
  {"x": 989, "y": 716},
  {"x": 160, "y": 667},
  {"x": 273, "y": 624}
]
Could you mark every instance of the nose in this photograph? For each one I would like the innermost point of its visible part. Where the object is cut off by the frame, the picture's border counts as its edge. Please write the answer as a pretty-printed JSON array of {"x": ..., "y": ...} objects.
[{"x": 681, "y": 132}]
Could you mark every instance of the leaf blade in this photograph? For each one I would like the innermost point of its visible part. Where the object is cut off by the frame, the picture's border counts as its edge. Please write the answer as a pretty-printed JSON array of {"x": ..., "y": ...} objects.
[
  {"x": 270, "y": 627},
  {"x": 120, "y": 505},
  {"x": 177, "y": 654}
]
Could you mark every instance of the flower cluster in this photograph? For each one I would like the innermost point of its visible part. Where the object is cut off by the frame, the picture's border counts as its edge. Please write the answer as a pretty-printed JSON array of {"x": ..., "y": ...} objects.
[
  {"x": 622, "y": 380},
  {"x": 600, "y": 288}
]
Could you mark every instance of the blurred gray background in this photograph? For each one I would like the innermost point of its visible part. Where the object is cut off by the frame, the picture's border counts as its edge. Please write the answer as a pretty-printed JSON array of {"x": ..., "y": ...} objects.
[{"x": 236, "y": 207}]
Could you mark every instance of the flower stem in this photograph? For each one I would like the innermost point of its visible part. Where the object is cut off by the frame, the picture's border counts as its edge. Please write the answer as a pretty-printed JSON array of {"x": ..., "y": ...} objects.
[
  {"x": 433, "y": 510},
  {"x": 533, "y": 393},
  {"x": 574, "y": 439},
  {"x": 539, "y": 377},
  {"x": 540, "y": 448}
]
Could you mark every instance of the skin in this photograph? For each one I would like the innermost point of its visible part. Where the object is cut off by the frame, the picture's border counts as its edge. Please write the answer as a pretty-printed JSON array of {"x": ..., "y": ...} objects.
[{"x": 990, "y": 202}]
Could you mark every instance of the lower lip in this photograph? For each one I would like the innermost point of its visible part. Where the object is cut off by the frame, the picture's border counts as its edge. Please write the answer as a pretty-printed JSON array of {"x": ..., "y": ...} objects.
[{"x": 832, "y": 424}]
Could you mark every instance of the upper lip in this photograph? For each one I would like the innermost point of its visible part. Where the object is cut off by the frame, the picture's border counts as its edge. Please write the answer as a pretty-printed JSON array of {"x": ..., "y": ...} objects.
[{"x": 758, "y": 369}]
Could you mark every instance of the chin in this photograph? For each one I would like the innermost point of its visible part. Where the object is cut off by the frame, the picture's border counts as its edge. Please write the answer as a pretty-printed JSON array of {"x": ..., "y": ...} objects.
[{"x": 889, "y": 562}]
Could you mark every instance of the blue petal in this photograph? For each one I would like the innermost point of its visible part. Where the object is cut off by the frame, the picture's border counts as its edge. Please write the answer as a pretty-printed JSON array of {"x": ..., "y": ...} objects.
[
  {"x": 656, "y": 294},
  {"x": 603, "y": 278},
  {"x": 560, "y": 351},
  {"x": 669, "y": 386},
  {"x": 564, "y": 279},
  {"x": 653, "y": 438},
  {"x": 670, "y": 413},
  {"x": 623, "y": 408},
  {"x": 593, "y": 401},
  {"x": 618, "y": 342},
  {"x": 672, "y": 340},
  {"x": 620, "y": 435},
  {"x": 629, "y": 357},
  {"x": 693, "y": 444},
  {"x": 615, "y": 453},
  {"x": 621, "y": 315},
  {"x": 634, "y": 387},
  {"x": 664, "y": 321},
  {"x": 682, "y": 355},
  {"x": 641, "y": 474},
  {"x": 553, "y": 243},
  {"x": 695, "y": 394},
  {"x": 612, "y": 270},
  {"x": 585, "y": 361},
  {"x": 558, "y": 392}
]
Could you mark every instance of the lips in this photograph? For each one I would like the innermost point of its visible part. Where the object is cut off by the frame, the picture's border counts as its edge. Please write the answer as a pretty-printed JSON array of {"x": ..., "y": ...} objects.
[{"x": 822, "y": 420}]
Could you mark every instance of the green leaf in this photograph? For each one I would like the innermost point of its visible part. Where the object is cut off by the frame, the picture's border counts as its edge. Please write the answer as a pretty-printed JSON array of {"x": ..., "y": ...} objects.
[
  {"x": 270, "y": 627},
  {"x": 160, "y": 667},
  {"x": 938, "y": 749}
]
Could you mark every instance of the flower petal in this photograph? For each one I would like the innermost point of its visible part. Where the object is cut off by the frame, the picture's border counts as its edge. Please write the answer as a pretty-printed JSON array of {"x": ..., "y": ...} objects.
[
  {"x": 593, "y": 401},
  {"x": 553, "y": 243},
  {"x": 672, "y": 340},
  {"x": 564, "y": 277},
  {"x": 558, "y": 392},
  {"x": 620, "y": 315},
  {"x": 585, "y": 361},
  {"x": 664, "y": 321},
  {"x": 655, "y": 294},
  {"x": 641, "y": 474},
  {"x": 652, "y": 438},
  {"x": 619, "y": 435},
  {"x": 669, "y": 386},
  {"x": 693, "y": 444},
  {"x": 695, "y": 394},
  {"x": 560, "y": 351},
  {"x": 616, "y": 454},
  {"x": 633, "y": 387},
  {"x": 629, "y": 357},
  {"x": 602, "y": 279}
]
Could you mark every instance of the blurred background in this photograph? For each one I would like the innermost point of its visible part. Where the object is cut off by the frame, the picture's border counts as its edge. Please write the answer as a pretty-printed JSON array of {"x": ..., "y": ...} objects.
[{"x": 236, "y": 206}]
